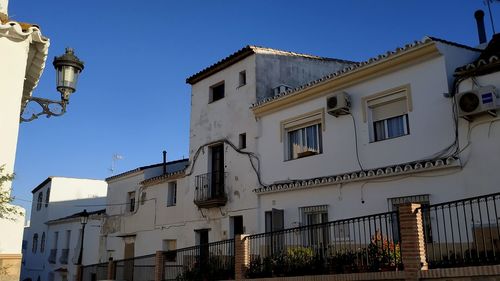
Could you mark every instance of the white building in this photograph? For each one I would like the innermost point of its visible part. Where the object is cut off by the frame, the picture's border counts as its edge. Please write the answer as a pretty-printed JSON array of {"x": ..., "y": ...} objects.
[
  {"x": 400, "y": 139},
  {"x": 271, "y": 149},
  {"x": 210, "y": 197},
  {"x": 49, "y": 242},
  {"x": 23, "y": 51}
]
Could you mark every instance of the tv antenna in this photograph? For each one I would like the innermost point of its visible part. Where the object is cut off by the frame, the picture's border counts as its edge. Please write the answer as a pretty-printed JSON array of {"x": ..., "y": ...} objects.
[
  {"x": 115, "y": 158},
  {"x": 488, "y": 3}
]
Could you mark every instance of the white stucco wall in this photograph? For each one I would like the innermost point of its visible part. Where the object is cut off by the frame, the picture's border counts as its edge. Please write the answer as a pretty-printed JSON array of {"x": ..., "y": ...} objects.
[
  {"x": 67, "y": 197},
  {"x": 431, "y": 130}
]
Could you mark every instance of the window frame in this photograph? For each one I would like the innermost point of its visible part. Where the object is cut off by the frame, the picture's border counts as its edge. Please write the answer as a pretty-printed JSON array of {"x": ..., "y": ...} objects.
[
  {"x": 172, "y": 195},
  {"x": 397, "y": 93},
  {"x": 216, "y": 85},
  {"x": 39, "y": 201},
  {"x": 406, "y": 129},
  {"x": 242, "y": 141},
  {"x": 242, "y": 78},
  {"x": 34, "y": 245},
  {"x": 300, "y": 122},
  {"x": 131, "y": 204}
]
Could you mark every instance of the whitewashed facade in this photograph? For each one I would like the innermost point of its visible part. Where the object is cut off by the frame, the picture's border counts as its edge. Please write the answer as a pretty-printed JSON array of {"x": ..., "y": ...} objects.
[
  {"x": 244, "y": 109},
  {"x": 55, "y": 200},
  {"x": 23, "y": 51},
  {"x": 356, "y": 174}
]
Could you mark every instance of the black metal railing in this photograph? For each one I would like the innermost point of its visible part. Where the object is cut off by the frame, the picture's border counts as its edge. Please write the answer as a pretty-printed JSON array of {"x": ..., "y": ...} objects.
[
  {"x": 209, "y": 189},
  {"x": 63, "y": 259},
  {"x": 463, "y": 232},
  {"x": 94, "y": 272},
  {"x": 53, "y": 256},
  {"x": 136, "y": 269},
  {"x": 212, "y": 261},
  {"x": 363, "y": 244}
]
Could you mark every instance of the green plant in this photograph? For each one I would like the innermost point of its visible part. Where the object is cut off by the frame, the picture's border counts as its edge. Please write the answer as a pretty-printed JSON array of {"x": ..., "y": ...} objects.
[{"x": 7, "y": 211}]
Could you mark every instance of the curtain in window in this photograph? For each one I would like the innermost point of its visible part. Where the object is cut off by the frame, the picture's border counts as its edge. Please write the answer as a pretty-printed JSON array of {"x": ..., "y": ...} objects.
[
  {"x": 304, "y": 139},
  {"x": 395, "y": 126}
]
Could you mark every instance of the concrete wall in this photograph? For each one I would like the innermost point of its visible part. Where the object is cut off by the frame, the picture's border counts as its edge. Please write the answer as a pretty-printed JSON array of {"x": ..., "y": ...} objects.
[{"x": 294, "y": 71}]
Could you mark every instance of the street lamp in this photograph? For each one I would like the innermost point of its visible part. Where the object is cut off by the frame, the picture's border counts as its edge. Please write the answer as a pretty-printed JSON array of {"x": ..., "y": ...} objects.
[
  {"x": 84, "y": 218},
  {"x": 68, "y": 68}
]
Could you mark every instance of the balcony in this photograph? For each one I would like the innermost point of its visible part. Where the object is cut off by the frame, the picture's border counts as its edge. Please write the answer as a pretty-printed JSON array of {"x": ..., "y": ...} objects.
[
  {"x": 209, "y": 190},
  {"x": 64, "y": 256},
  {"x": 52, "y": 256}
]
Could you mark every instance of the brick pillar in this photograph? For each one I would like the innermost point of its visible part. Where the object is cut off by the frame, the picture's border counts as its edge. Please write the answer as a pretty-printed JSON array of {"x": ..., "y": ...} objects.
[
  {"x": 412, "y": 240},
  {"x": 241, "y": 256},
  {"x": 159, "y": 266},
  {"x": 79, "y": 273},
  {"x": 111, "y": 269}
]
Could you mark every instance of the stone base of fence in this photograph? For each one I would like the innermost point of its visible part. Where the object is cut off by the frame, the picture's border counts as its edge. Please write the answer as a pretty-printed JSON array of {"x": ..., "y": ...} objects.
[
  {"x": 389, "y": 275},
  {"x": 488, "y": 272}
]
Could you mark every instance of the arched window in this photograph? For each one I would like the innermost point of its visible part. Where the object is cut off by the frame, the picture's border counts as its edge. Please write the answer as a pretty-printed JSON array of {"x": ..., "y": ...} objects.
[
  {"x": 39, "y": 201},
  {"x": 35, "y": 243},
  {"x": 42, "y": 243},
  {"x": 47, "y": 196}
]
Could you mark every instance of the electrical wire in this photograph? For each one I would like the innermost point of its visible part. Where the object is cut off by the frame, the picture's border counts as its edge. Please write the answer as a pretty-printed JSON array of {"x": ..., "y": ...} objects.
[{"x": 356, "y": 141}]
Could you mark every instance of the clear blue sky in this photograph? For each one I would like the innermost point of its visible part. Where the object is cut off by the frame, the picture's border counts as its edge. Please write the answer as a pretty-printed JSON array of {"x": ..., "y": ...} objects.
[{"x": 132, "y": 98}]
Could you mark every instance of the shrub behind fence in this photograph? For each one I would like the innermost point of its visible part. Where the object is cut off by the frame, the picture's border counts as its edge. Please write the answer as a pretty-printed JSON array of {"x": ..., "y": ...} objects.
[
  {"x": 212, "y": 261},
  {"x": 363, "y": 244}
]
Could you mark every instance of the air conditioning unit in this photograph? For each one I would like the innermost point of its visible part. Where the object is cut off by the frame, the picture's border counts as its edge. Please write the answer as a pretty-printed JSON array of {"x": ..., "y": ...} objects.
[
  {"x": 338, "y": 104},
  {"x": 477, "y": 101}
]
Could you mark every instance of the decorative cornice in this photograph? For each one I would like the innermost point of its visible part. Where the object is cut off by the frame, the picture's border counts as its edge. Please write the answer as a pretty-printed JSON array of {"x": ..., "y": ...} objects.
[{"x": 389, "y": 171}]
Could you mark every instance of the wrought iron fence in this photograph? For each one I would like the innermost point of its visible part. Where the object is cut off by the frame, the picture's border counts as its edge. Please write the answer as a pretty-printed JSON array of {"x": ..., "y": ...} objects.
[
  {"x": 210, "y": 186},
  {"x": 212, "y": 261},
  {"x": 362, "y": 244},
  {"x": 136, "y": 269},
  {"x": 463, "y": 232},
  {"x": 94, "y": 272}
]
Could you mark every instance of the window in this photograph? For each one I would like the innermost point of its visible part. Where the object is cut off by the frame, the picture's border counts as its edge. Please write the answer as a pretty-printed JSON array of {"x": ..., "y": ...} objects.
[
  {"x": 47, "y": 196},
  {"x": 56, "y": 238},
  {"x": 390, "y": 128},
  {"x": 217, "y": 92},
  {"x": 423, "y": 200},
  {"x": 169, "y": 246},
  {"x": 68, "y": 239},
  {"x": 316, "y": 215},
  {"x": 172, "y": 194},
  {"x": 39, "y": 201},
  {"x": 131, "y": 201},
  {"x": 274, "y": 220},
  {"x": 42, "y": 243},
  {"x": 243, "y": 141},
  {"x": 242, "y": 81},
  {"x": 302, "y": 135},
  {"x": 304, "y": 142},
  {"x": 387, "y": 113},
  {"x": 34, "y": 246}
]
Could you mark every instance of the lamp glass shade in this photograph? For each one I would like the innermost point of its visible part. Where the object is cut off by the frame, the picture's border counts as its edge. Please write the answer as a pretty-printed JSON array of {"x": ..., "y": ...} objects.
[
  {"x": 67, "y": 77},
  {"x": 84, "y": 218}
]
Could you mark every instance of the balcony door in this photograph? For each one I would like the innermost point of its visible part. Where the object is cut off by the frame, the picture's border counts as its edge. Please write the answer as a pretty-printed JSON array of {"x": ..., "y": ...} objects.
[{"x": 217, "y": 170}]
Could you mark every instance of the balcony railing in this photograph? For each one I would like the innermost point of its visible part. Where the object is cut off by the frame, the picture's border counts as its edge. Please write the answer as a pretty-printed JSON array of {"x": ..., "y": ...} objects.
[
  {"x": 209, "y": 190},
  {"x": 52, "y": 256},
  {"x": 64, "y": 256}
]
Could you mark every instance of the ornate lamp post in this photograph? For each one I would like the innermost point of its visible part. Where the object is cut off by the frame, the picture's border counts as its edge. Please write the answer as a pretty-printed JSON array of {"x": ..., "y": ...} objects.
[
  {"x": 84, "y": 218},
  {"x": 68, "y": 68}
]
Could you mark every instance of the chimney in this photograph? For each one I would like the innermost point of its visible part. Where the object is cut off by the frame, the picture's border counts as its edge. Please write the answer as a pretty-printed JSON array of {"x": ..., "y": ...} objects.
[
  {"x": 4, "y": 4},
  {"x": 164, "y": 162},
  {"x": 481, "y": 32}
]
